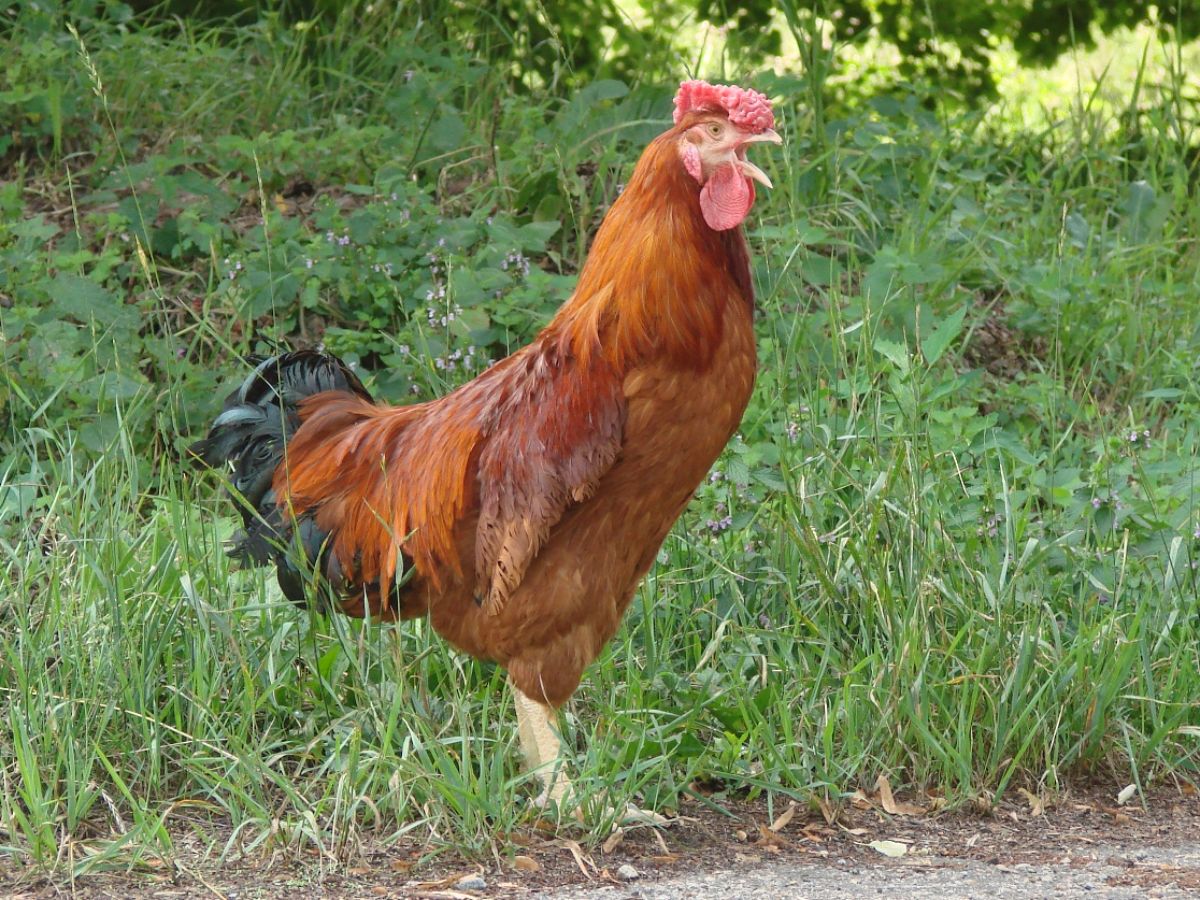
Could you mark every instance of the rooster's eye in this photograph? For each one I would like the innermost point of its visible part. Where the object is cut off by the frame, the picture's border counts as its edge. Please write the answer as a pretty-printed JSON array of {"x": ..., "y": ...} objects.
[{"x": 714, "y": 129}]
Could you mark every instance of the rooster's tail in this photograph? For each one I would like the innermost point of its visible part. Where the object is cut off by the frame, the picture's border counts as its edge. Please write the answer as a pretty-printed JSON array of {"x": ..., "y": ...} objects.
[{"x": 249, "y": 440}]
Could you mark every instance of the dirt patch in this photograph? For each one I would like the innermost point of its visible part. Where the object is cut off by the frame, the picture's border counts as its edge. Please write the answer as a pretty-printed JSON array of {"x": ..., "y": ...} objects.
[
  {"x": 997, "y": 346},
  {"x": 710, "y": 833}
]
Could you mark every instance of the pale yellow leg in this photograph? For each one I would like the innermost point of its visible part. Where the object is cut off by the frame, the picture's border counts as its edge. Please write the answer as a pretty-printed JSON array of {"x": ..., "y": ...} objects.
[
  {"x": 541, "y": 747},
  {"x": 543, "y": 754}
]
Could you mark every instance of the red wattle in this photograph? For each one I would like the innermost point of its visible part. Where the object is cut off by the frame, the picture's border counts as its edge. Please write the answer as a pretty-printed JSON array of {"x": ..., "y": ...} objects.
[{"x": 726, "y": 199}]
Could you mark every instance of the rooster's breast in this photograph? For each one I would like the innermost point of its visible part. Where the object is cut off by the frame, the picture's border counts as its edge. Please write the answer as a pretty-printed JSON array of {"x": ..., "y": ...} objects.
[{"x": 575, "y": 592}]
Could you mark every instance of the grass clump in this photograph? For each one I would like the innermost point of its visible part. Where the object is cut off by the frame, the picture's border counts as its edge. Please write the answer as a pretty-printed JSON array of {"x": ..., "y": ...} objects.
[{"x": 954, "y": 542}]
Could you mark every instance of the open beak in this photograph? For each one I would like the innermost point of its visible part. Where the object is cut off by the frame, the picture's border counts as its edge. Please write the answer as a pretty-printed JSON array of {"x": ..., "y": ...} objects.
[{"x": 749, "y": 169}]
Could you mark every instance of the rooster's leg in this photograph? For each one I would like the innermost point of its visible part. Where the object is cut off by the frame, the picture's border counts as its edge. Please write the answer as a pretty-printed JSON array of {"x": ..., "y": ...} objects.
[
  {"x": 543, "y": 754},
  {"x": 541, "y": 747}
]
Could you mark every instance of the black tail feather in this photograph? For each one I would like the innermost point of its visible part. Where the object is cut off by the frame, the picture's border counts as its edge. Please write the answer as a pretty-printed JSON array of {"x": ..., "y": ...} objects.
[{"x": 249, "y": 438}]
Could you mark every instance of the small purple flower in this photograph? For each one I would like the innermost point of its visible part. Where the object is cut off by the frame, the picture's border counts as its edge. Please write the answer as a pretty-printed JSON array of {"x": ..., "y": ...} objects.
[
  {"x": 717, "y": 526},
  {"x": 518, "y": 261},
  {"x": 793, "y": 431},
  {"x": 715, "y": 475},
  {"x": 1133, "y": 437},
  {"x": 1097, "y": 503},
  {"x": 308, "y": 263}
]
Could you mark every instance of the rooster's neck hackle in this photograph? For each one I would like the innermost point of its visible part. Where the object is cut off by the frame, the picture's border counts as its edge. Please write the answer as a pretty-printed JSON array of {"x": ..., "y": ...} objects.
[{"x": 658, "y": 278}]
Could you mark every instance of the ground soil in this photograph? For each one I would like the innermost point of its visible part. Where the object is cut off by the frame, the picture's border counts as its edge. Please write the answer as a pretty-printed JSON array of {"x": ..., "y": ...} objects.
[{"x": 1021, "y": 831}]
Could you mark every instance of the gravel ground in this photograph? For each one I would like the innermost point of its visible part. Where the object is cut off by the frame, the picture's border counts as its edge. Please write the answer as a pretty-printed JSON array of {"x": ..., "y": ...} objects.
[
  {"x": 1109, "y": 871},
  {"x": 1085, "y": 843}
]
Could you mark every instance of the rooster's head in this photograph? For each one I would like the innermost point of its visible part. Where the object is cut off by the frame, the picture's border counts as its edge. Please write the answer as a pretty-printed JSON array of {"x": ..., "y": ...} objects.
[{"x": 715, "y": 124}]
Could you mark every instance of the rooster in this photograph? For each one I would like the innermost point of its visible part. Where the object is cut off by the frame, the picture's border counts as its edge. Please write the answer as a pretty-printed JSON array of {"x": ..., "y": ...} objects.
[{"x": 520, "y": 511}]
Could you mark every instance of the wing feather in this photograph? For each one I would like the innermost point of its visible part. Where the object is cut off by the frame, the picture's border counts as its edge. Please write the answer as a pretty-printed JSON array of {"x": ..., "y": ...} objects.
[{"x": 551, "y": 441}]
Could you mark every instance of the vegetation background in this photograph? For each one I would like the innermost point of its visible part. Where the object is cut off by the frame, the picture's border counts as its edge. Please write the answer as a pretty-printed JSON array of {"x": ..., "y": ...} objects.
[{"x": 955, "y": 543}]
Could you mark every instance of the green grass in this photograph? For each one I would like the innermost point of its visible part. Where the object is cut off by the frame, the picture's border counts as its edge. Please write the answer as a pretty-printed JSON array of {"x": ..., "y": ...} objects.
[{"x": 934, "y": 550}]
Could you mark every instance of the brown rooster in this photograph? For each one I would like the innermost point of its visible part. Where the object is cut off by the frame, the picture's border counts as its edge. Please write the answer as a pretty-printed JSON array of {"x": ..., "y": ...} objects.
[{"x": 520, "y": 511}]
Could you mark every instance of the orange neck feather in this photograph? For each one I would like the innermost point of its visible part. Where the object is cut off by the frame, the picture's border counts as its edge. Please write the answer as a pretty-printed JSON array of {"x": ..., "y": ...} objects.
[{"x": 657, "y": 279}]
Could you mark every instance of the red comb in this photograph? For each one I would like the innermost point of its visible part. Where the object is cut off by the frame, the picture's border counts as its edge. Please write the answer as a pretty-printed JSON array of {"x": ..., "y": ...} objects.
[{"x": 746, "y": 108}]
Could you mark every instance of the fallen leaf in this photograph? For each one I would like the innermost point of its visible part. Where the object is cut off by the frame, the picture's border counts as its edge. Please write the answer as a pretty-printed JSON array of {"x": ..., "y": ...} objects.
[
  {"x": 359, "y": 870},
  {"x": 1188, "y": 789},
  {"x": 747, "y": 858},
  {"x": 857, "y": 832},
  {"x": 813, "y": 832},
  {"x": 770, "y": 840},
  {"x": 666, "y": 858},
  {"x": 581, "y": 859},
  {"x": 1036, "y": 805},
  {"x": 1126, "y": 793},
  {"x": 526, "y": 863},
  {"x": 741, "y": 835},
  {"x": 782, "y": 821},
  {"x": 448, "y": 881},
  {"x": 828, "y": 813},
  {"x": 614, "y": 840},
  {"x": 379, "y": 890},
  {"x": 400, "y": 865},
  {"x": 889, "y": 804},
  {"x": 859, "y": 800},
  {"x": 974, "y": 839},
  {"x": 893, "y": 849}
]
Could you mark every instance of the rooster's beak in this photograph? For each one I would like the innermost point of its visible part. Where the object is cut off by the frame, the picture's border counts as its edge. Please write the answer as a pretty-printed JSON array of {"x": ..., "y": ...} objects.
[
  {"x": 749, "y": 169},
  {"x": 770, "y": 136}
]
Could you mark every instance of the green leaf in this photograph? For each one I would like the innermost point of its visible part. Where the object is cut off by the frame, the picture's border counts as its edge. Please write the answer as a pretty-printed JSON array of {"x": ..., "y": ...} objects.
[
  {"x": 447, "y": 133},
  {"x": 936, "y": 343},
  {"x": 533, "y": 236},
  {"x": 83, "y": 300},
  {"x": 896, "y": 353}
]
